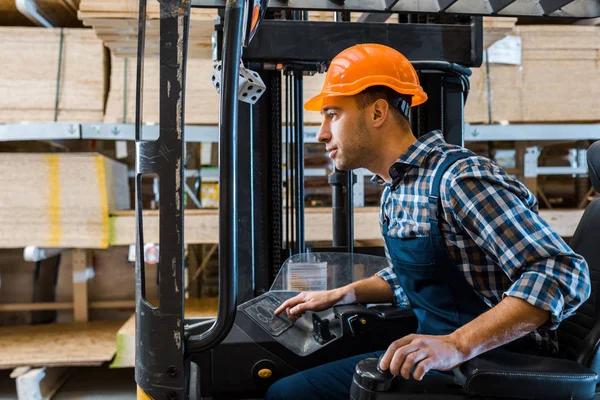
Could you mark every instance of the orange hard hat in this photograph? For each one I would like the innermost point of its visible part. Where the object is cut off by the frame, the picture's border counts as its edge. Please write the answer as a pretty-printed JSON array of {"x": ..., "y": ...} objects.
[{"x": 365, "y": 65}]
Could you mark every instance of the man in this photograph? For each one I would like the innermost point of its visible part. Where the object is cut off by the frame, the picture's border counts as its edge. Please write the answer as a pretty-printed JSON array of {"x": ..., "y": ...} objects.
[{"x": 467, "y": 248}]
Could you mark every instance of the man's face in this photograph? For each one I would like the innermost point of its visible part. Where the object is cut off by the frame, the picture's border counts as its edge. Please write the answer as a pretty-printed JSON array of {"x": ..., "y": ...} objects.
[{"x": 345, "y": 133}]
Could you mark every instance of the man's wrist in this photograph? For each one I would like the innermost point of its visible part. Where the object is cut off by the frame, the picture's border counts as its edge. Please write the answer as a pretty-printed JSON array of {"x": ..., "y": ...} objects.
[
  {"x": 346, "y": 295},
  {"x": 458, "y": 340}
]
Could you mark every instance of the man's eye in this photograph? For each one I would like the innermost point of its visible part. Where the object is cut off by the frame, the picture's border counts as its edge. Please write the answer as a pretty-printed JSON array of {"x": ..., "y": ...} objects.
[{"x": 331, "y": 114}]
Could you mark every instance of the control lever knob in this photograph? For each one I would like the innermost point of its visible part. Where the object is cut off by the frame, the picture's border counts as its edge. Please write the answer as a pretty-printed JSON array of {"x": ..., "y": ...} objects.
[{"x": 369, "y": 376}]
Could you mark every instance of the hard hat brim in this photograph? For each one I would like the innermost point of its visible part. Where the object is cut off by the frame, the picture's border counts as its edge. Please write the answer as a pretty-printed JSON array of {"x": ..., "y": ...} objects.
[{"x": 316, "y": 103}]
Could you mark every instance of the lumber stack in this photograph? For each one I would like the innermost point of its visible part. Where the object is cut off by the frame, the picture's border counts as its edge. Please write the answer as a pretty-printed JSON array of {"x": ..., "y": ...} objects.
[
  {"x": 59, "y": 13},
  {"x": 116, "y": 23},
  {"x": 553, "y": 83},
  {"x": 201, "y": 98},
  {"x": 31, "y": 83},
  {"x": 59, "y": 200},
  {"x": 495, "y": 28}
]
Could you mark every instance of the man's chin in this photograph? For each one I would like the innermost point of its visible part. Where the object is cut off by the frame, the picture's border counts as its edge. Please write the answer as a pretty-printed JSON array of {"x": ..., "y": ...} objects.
[{"x": 340, "y": 165}]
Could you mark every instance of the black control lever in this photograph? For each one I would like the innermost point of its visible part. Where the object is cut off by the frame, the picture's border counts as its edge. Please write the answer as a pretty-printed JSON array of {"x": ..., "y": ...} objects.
[
  {"x": 321, "y": 331},
  {"x": 369, "y": 376}
]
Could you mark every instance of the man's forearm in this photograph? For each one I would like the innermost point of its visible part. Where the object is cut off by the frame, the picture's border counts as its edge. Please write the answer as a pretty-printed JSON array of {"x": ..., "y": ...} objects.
[
  {"x": 509, "y": 320},
  {"x": 370, "y": 290}
]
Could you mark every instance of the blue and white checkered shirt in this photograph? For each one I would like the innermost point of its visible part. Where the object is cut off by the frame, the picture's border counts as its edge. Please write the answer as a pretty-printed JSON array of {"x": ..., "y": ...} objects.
[{"x": 492, "y": 230}]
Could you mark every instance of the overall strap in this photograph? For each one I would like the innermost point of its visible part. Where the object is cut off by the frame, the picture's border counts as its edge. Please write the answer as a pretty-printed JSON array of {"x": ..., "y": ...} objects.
[{"x": 435, "y": 203}]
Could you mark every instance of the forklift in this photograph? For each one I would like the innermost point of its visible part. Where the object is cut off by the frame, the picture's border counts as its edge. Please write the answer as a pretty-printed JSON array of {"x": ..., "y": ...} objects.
[{"x": 258, "y": 46}]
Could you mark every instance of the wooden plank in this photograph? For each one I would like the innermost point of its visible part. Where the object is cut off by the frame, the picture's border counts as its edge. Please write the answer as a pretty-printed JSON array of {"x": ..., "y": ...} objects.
[
  {"x": 35, "y": 306},
  {"x": 77, "y": 344},
  {"x": 108, "y": 298},
  {"x": 125, "y": 355},
  {"x": 40, "y": 383},
  {"x": 94, "y": 305},
  {"x": 80, "y": 285},
  {"x": 202, "y": 226}
]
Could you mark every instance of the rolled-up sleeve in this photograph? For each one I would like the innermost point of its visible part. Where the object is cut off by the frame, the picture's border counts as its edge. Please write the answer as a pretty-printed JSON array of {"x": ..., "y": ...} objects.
[
  {"x": 499, "y": 217},
  {"x": 388, "y": 275}
]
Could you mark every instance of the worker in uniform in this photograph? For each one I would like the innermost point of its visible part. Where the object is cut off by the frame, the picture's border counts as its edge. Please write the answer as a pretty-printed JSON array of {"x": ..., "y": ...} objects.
[{"x": 468, "y": 251}]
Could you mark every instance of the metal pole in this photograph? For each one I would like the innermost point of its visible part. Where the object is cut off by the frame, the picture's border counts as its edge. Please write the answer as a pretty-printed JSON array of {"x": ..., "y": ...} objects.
[
  {"x": 299, "y": 130},
  {"x": 337, "y": 179}
]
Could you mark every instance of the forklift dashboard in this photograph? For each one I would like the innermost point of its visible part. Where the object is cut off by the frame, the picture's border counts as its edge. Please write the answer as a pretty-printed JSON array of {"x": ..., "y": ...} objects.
[{"x": 262, "y": 311}]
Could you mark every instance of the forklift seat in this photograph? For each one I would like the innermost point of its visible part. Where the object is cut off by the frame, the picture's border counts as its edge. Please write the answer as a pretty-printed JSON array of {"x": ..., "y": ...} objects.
[{"x": 501, "y": 374}]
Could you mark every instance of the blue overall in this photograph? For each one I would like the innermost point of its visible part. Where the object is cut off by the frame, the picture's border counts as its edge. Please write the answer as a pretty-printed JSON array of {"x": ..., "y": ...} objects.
[{"x": 439, "y": 295}]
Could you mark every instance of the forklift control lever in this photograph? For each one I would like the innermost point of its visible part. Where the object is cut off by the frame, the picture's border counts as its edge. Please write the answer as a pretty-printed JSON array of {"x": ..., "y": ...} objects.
[{"x": 321, "y": 331}]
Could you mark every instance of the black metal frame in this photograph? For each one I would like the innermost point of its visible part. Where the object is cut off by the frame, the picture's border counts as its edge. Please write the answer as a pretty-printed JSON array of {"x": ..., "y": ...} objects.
[
  {"x": 162, "y": 371},
  {"x": 505, "y": 8},
  {"x": 277, "y": 41}
]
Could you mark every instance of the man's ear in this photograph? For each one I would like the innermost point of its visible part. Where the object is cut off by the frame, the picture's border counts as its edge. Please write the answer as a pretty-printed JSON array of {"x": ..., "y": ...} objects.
[{"x": 381, "y": 109}]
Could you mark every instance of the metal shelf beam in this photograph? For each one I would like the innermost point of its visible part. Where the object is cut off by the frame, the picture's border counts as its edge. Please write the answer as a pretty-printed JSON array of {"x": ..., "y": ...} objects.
[
  {"x": 209, "y": 133},
  {"x": 536, "y": 132}
]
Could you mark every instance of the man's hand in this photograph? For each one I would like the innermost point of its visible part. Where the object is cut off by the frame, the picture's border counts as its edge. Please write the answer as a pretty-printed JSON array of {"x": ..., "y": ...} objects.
[
  {"x": 310, "y": 301},
  {"x": 424, "y": 352}
]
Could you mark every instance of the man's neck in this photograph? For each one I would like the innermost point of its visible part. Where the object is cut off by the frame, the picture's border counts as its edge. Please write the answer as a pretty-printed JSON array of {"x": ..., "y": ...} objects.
[{"x": 390, "y": 152}]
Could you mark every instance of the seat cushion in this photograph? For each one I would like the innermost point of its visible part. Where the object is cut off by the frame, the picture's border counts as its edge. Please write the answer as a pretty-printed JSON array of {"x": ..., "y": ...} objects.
[{"x": 513, "y": 375}]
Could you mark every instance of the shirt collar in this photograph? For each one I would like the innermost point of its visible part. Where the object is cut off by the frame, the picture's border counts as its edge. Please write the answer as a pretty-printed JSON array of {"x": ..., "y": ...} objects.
[{"x": 414, "y": 156}]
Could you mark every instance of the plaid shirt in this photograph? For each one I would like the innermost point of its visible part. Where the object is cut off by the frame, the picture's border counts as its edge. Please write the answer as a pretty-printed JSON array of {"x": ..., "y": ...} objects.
[{"x": 492, "y": 231}]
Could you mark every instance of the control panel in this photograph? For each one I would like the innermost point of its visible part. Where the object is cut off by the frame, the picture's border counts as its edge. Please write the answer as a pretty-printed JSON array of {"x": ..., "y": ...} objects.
[{"x": 262, "y": 311}]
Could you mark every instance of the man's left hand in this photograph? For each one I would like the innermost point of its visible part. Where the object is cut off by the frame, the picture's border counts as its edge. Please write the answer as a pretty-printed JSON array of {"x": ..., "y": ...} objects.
[{"x": 423, "y": 353}]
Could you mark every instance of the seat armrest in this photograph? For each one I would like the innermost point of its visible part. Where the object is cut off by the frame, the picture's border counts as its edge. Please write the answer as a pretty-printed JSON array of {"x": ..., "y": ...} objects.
[
  {"x": 389, "y": 311},
  {"x": 513, "y": 375}
]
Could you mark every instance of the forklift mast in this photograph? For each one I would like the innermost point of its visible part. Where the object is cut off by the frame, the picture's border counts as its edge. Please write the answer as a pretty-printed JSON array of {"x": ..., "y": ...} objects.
[{"x": 443, "y": 38}]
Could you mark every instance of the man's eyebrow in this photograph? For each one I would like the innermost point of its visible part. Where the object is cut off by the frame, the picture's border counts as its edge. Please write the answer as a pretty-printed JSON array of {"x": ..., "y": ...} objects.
[{"x": 329, "y": 108}]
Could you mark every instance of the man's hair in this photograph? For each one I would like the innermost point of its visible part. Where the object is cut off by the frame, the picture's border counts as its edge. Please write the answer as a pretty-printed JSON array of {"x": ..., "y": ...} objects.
[{"x": 374, "y": 93}]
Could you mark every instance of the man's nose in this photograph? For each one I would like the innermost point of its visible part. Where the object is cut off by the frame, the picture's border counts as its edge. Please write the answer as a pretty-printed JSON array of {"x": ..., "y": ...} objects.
[{"x": 323, "y": 135}]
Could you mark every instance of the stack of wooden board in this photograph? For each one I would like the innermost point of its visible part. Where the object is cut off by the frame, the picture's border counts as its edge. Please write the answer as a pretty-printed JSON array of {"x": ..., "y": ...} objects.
[
  {"x": 116, "y": 23},
  {"x": 58, "y": 13},
  {"x": 553, "y": 82},
  {"x": 494, "y": 29},
  {"x": 33, "y": 88},
  {"x": 59, "y": 200},
  {"x": 201, "y": 98}
]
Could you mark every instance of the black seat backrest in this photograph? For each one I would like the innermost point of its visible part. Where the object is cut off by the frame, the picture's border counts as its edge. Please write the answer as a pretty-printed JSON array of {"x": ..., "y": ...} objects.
[{"x": 579, "y": 335}]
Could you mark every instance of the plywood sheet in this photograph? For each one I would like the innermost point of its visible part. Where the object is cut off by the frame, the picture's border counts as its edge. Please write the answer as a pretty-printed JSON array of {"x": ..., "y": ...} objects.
[{"x": 91, "y": 343}]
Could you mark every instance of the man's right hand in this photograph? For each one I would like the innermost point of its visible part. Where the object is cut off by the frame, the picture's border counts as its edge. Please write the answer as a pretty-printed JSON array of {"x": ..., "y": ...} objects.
[{"x": 310, "y": 301}]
